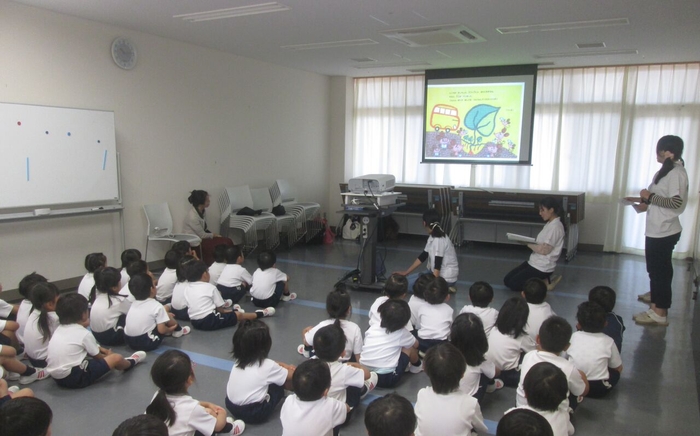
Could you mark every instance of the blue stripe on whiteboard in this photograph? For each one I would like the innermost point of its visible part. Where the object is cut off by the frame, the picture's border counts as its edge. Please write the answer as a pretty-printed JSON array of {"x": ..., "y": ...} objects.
[
  {"x": 27, "y": 169},
  {"x": 104, "y": 161}
]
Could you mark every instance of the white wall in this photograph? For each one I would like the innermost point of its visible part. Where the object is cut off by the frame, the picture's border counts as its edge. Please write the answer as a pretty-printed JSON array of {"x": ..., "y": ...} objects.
[{"x": 186, "y": 118}]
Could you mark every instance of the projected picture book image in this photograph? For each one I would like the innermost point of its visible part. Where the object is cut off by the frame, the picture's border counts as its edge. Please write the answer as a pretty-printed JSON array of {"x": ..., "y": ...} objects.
[{"x": 474, "y": 122}]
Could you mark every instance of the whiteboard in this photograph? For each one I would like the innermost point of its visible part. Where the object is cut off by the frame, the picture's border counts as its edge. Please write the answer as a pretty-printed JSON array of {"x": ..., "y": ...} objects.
[{"x": 53, "y": 156}]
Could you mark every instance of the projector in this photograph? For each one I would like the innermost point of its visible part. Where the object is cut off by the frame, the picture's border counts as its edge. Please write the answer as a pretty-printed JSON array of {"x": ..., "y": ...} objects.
[{"x": 371, "y": 184}]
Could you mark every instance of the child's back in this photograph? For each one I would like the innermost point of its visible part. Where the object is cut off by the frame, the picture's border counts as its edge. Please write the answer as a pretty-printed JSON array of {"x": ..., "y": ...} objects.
[
  {"x": 614, "y": 327},
  {"x": 534, "y": 292},
  {"x": 435, "y": 318},
  {"x": 481, "y": 296},
  {"x": 353, "y": 337},
  {"x": 394, "y": 288},
  {"x": 166, "y": 284},
  {"x": 508, "y": 339}
]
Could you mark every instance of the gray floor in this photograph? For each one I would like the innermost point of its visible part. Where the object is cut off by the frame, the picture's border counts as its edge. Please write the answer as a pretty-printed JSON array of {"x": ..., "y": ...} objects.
[{"x": 656, "y": 394}]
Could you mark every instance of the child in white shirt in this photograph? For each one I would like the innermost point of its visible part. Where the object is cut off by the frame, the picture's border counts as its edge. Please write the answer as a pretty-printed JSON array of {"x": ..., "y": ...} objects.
[
  {"x": 435, "y": 318},
  {"x": 168, "y": 278},
  {"x": 481, "y": 295},
  {"x": 109, "y": 308},
  {"x": 395, "y": 288},
  {"x": 534, "y": 292},
  {"x": 8, "y": 328},
  {"x": 389, "y": 347},
  {"x": 310, "y": 411},
  {"x": 217, "y": 267},
  {"x": 467, "y": 334},
  {"x": 173, "y": 374},
  {"x": 206, "y": 309},
  {"x": 270, "y": 285},
  {"x": 178, "y": 304},
  {"x": 128, "y": 256},
  {"x": 443, "y": 408},
  {"x": 256, "y": 384},
  {"x": 593, "y": 352},
  {"x": 42, "y": 323},
  {"x": 417, "y": 300},
  {"x": 93, "y": 262},
  {"x": 339, "y": 308},
  {"x": 546, "y": 391},
  {"x": 25, "y": 307},
  {"x": 72, "y": 343},
  {"x": 235, "y": 280},
  {"x": 508, "y": 340},
  {"x": 390, "y": 414},
  {"x": 147, "y": 321}
]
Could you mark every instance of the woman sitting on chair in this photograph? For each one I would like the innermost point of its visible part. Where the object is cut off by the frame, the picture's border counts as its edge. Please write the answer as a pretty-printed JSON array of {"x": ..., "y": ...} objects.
[{"x": 196, "y": 224}]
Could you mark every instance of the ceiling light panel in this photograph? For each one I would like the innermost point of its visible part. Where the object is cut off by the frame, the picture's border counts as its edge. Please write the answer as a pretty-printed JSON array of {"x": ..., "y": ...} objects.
[
  {"x": 331, "y": 44},
  {"x": 564, "y": 26},
  {"x": 239, "y": 11}
]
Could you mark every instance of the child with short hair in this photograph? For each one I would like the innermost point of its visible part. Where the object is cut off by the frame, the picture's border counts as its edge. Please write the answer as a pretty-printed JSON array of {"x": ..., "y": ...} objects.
[
  {"x": 217, "y": 267},
  {"x": 614, "y": 326},
  {"x": 26, "y": 416},
  {"x": 553, "y": 339},
  {"x": 235, "y": 279},
  {"x": 135, "y": 268},
  {"x": 508, "y": 340},
  {"x": 546, "y": 391},
  {"x": 141, "y": 425},
  {"x": 147, "y": 321},
  {"x": 339, "y": 308},
  {"x": 93, "y": 262},
  {"x": 128, "y": 256},
  {"x": 205, "y": 307},
  {"x": 173, "y": 374},
  {"x": 523, "y": 422},
  {"x": 468, "y": 335},
  {"x": 109, "y": 308},
  {"x": 395, "y": 288},
  {"x": 443, "y": 408},
  {"x": 256, "y": 384},
  {"x": 270, "y": 285},
  {"x": 185, "y": 249},
  {"x": 309, "y": 411},
  {"x": 434, "y": 318},
  {"x": 594, "y": 352},
  {"x": 417, "y": 300},
  {"x": 168, "y": 278},
  {"x": 392, "y": 415},
  {"x": 72, "y": 344},
  {"x": 178, "y": 304},
  {"x": 41, "y": 324},
  {"x": 25, "y": 307},
  {"x": 534, "y": 292},
  {"x": 389, "y": 347},
  {"x": 349, "y": 382},
  {"x": 481, "y": 295}
]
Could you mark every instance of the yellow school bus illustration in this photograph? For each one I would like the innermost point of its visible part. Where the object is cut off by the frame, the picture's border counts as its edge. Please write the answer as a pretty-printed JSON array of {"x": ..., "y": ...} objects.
[{"x": 444, "y": 117}]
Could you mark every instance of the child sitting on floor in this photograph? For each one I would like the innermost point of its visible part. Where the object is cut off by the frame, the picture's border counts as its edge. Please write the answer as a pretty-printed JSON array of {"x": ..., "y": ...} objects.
[
  {"x": 270, "y": 285},
  {"x": 235, "y": 279},
  {"x": 534, "y": 292},
  {"x": 395, "y": 288},
  {"x": 392, "y": 415},
  {"x": 508, "y": 340},
  {"x": 168, "y": 278},
  {"x": 217, "y": 267},
  {"x": 481, "y": 295},
  {"x": 435, "y": 318},
  {"x": 605, "y": 296}
]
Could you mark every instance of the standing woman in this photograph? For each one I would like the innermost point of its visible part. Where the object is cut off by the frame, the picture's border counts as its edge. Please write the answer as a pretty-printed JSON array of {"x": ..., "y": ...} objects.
[
  {"x": 196, "y": 224},
  {"x": 663, "y": 201},
  {"x": 545, "y": 250}
]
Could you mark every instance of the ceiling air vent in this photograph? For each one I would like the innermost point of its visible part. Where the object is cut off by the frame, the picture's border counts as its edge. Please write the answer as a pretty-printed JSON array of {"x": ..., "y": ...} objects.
[{"x": 434, "y": 35}]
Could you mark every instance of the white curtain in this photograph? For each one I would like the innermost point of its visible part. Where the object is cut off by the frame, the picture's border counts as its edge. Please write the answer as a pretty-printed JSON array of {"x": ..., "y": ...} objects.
[{"x": 595, "y": 131}]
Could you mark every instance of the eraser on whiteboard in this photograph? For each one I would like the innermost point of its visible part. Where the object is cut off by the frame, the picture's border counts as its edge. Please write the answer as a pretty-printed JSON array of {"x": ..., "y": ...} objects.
[{"x": 45, "y": 211}]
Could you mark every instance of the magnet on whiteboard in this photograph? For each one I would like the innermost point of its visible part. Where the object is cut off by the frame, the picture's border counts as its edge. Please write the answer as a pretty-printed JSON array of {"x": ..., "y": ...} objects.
[{"x": 45, "y": 211}]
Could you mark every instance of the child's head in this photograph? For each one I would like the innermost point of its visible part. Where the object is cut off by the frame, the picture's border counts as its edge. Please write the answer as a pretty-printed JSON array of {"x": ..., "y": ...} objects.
[
  {"x": 251, "y": 343},
  {"x": 266, "y": 259},
  {"x": 555, "y": 334},
  {"x": 182, "y": 265},
  {"x": 182, "y": 247},
  {"x": 338, "y": 303},
  {"x": 421, "y": 283},
  {"x": 137, "y": 267},
  {"x": 172, "y": 374},
  {"x": 445, "y": 367},
  {"x": 195, "y": 271},
  {"x": 329, "y": 342},
  {"x": 232, "y": 254},
  {"x": 142, "y": 425},
  {"x": 545, "y": 387},
  {"x": 390, "y": 415},
  {"x": 28, "y": 282},
  {"x": 72, "y": 308},
  {"x": 42, "y": 294},
  {"x": 395, "y": 314},
  {"x": 535, "y": 291},
  {"x": 603, "y": 295},
  {"x": 95, "y": 261},
  {"x": 481, "y": 294},
  {"x": 467, "y": 334},
  {"x": 141, "y": 286},
  {"x": 311, "y": 380},
  {"x": 107, "y": 279},
  {"x": 171, "y": 259},
  {"x": 26, "y": 416},
  {"x": 130, "y": 255},
  {"x": 523, "y": 422},
  {"x": 512, "y": 317},
  {"x": 396, "y": 286},
  {"x": 591, "y": 317},
  {"x": 431, "y": 221},
  {"x": 437, "y": 291},
  {"x": 220, "y": 253}
]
